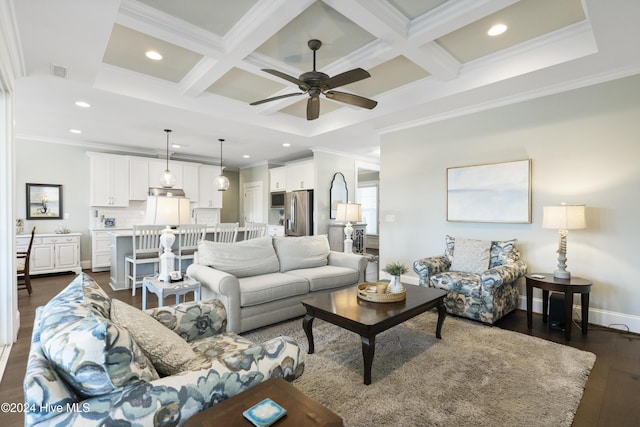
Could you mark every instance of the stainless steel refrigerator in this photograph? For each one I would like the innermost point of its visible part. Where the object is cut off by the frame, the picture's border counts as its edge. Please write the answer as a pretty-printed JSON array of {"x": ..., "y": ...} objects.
[{"x": 298, "y": 213}]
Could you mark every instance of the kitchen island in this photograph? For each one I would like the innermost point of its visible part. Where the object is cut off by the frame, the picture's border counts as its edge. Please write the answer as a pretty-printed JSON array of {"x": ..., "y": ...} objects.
[{"x": 122, "y": 245}]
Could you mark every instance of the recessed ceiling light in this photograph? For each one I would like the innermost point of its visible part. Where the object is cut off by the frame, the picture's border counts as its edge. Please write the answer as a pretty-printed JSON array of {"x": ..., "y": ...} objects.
[
  {"x": 152, "y": 54},
  {"x": 75, "y": 131},
  {"x": 497, "y": 29},
  {"x": 83, "y": 104},
  {"x": 246, "y": 156},
  {"x": 286, "y": 144},
  {"x": 176, "y": 145}
]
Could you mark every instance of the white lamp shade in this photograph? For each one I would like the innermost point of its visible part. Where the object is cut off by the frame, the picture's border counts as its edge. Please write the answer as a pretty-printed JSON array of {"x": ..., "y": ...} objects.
[
  {"x": 349, "y": 212},
  {"x": 163, "y": 210},
  {"x": 564, "y": 217}
]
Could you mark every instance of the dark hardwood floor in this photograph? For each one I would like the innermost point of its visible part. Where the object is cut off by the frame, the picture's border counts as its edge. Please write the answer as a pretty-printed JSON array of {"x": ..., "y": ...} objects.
[{"x": 611, "y": 397}]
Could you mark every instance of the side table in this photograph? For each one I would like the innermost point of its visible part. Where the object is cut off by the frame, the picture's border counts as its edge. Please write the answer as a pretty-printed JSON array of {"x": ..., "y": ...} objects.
[
  {"x": 301, "y": 410},
  {"x": 164, "y": 289},
  {"x": 574, "y": 285}
]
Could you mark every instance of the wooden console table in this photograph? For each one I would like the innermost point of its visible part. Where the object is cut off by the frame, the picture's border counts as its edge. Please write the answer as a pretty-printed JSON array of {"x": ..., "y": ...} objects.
[{"x": 574, "y": 285}]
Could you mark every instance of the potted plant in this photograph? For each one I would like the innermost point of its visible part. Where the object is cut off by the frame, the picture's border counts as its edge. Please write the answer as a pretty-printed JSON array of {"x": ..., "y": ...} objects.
[{"x": 395, "y": 269}]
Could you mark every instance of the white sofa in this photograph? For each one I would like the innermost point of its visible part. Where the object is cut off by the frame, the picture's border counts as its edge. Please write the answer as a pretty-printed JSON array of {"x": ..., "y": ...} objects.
[{"x": 262, "y": 281}]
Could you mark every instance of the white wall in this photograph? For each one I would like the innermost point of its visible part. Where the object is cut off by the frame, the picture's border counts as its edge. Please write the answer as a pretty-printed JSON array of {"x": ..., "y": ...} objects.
[
  {"x": 44, "y": 163},
  {"x": 585, "y": 148}
]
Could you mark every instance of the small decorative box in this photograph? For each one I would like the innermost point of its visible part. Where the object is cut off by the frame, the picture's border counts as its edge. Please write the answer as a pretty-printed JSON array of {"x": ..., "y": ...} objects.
[{"x": 265, "y": 413}]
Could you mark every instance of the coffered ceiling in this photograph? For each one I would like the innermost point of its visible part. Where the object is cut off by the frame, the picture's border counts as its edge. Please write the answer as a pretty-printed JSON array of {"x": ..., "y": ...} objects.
[{"x": 428, "y": 59}]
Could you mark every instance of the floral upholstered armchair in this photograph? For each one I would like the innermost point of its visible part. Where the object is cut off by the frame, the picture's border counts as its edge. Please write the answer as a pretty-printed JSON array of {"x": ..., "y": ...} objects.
[
  {"x": 96, "y": 361},
  {"x": 481, "y": 276}
]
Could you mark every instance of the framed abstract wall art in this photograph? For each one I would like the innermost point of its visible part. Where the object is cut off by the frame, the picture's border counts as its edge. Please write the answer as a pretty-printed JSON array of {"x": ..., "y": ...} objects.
[
  {"x": 44, "y": 201},
  {"x": 496, "y": 192}
]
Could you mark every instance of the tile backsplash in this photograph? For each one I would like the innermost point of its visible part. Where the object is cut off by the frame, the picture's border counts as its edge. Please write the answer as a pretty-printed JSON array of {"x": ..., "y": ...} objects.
[{"x": 135, "y": 214}]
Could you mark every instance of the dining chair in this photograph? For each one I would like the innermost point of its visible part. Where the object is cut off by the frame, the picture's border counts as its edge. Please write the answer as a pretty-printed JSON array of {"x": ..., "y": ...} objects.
[
  {"x": 253, "y": 230},
  {"x": 189, "y": 235},
  {"x": 146, "y": 250},
  {"x": 22, "y": 265},
  {"x": 225, "y": 232}
]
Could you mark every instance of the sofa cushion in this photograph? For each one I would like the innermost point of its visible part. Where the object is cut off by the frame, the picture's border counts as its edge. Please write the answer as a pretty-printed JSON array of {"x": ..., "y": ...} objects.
[
  {"x": 327, "y": 277},
  {"x": 270, "y": 287},
  {"x": 245, "y": 258},
  {"x": 217, "y": 345},
  {"x": 169, "y": 353},
  {"x": 95, "y": 356},
  {"x": 88, "y": 350},
  {"x": 471, "y": 256},
  {"x": 301, "y": 252},
  {"x": 462, "y": 283},
  {"x": 503, "y": 252}
]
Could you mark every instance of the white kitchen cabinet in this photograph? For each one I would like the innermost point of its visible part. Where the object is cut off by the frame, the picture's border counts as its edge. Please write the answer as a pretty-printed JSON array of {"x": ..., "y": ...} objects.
[
  {"x": 100, "y": 250},
  {"x": 190, "y": 181},
  {"x": 109, "y": 180},
  {"x": 209, "y": 196},
  {"x": 277, "y": 179},
  {"x": 138, "y": 178},
  {"x": 300, "y": 176},
  {"x": 52, "y": 253}
]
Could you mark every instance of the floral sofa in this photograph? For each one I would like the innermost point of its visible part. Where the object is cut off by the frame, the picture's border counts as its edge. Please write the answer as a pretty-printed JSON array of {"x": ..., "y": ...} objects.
[
  {"x": 262, "y": 281},
  {"x": 482, "y": 277},
  {"x": 97, "y": 361}
]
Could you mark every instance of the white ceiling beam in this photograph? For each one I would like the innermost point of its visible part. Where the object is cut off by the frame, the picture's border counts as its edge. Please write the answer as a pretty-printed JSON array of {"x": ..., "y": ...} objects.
[{"x": 262, "y": 21}]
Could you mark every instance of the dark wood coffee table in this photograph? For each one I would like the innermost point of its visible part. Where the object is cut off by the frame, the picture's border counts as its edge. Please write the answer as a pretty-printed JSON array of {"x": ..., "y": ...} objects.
[
  {"x": 301, "y": 410},
  {"x": 367, "y": 319}
]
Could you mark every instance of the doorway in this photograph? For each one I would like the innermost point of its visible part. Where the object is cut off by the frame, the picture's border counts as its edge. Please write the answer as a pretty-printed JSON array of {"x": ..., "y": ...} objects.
[{"x": 253, "y": 206}]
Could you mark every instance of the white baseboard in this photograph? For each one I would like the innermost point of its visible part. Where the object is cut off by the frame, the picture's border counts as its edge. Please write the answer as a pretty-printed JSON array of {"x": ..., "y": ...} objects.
[
  {"x": 5, "y": 350},
  {"x": 608, "y": 319}
]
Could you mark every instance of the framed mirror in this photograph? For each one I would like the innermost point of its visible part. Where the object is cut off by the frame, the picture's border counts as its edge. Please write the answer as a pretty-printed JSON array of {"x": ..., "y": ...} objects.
[
  {"x": 337, "y": 194},
  {"x": 44, "y": 201}
]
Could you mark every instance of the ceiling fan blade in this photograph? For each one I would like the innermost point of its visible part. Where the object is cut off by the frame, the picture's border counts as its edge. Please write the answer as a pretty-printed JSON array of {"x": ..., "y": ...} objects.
[
  {"x": 287, "y": 77},
  {"x": 313, "y": 108},
  {"x": 262, "y": 101},
  {"x": 346, "y": 78},
  {"x": 352, "y": 99}
]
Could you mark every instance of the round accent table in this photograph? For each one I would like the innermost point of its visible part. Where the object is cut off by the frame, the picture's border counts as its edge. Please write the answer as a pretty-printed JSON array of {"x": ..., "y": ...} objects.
[{"x": 574, "y": 285}]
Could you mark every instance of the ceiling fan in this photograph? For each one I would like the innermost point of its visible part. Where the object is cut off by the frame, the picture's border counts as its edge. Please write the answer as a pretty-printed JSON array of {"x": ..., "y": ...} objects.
[{"x": 315, "y": 83}]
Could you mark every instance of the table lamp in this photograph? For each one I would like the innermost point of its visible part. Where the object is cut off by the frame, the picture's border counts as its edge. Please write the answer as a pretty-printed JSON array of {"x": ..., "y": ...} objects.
[
  {"x": 169, "y": 211},
  {"x": 349, "y": 212},
  {"x": 563, "y": 218}
]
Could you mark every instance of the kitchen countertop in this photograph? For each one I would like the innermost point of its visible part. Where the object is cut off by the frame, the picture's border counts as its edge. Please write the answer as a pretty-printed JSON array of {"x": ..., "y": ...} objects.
[{"x": 123, "y": 232}]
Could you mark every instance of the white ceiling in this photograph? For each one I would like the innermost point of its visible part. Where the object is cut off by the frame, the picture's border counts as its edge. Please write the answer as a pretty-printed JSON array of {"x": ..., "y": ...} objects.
[{"x": 428, "y": 59}]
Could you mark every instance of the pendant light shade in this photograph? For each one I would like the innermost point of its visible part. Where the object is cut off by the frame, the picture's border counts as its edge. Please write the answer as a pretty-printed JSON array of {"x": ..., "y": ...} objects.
[
  {"x": 221, "y": 182},
  {"x": 167, "y": 179}
]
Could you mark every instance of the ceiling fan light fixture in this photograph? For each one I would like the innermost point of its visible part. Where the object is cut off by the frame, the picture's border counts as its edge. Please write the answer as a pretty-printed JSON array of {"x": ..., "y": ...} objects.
[
  {"x": 315, "y": 83},
  {"x": 221, "y": 182}
]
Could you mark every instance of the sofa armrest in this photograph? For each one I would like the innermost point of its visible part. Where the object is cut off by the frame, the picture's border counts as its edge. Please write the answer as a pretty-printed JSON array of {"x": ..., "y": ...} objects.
[
  {"x": 354, "y": 261},
  {"x": 498, "y": 276},
  {"x": 427, "y": 267},
  {"x": 193, "y": 320},
  {"x": 219, "y": 285}
]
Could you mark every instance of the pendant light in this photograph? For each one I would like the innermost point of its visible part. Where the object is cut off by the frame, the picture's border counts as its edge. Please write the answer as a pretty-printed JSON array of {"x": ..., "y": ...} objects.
[
  {"x": 222, "y": 182},
  {"x": 167, "y": 179}
]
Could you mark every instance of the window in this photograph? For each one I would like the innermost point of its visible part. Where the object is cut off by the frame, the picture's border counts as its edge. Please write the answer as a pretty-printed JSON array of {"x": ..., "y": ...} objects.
[{"x": 368, "y": 198}]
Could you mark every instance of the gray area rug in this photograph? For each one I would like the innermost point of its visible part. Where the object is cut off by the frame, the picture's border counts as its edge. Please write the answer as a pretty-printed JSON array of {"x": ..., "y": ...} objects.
[{"x": 476, "y": 375}]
